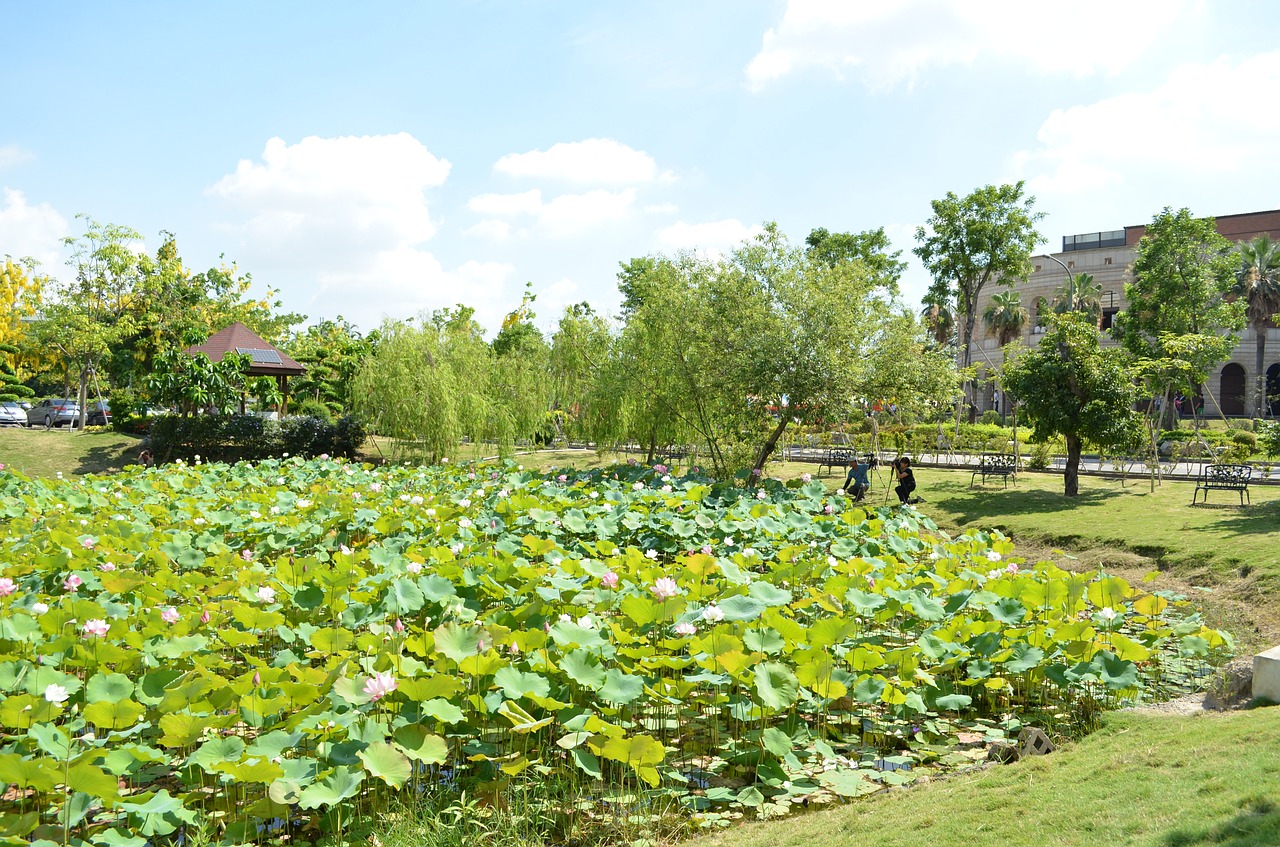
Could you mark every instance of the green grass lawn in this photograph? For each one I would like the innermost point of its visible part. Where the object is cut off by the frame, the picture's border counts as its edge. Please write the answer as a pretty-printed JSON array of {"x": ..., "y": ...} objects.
[
  {"x": 1143, "y": 780},
  {"x": 37, "y": 452}
]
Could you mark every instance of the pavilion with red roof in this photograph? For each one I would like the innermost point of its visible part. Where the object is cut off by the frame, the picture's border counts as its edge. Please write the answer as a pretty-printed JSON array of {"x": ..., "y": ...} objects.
[{"x": 267, "y": 359}]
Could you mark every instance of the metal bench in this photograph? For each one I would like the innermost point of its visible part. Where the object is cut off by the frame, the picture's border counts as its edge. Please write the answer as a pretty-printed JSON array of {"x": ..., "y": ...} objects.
[
  {"x": 994, "y": 464},
  {"x": 1224, "y": 478},
  {"x": 837, "y": 456}
]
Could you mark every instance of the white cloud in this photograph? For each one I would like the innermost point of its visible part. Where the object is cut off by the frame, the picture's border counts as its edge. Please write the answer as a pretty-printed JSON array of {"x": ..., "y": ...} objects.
[
  {"x": 595, "y": 161},
  {"x": 524, "y": 203},
  {"x": 710, "y": 238},
  {"x": 1203, "y": 120},
  {"x": 662, "y": 209},
  {"x": 12, "y": 154},
  {"x": 890, "y": 42},
  {"x": 552, "y": 300},
  {"x": 345, "y": 219},
  {"x": 494, "y": 230},
  {"x": 566, "y": 215},
  {"x": 34, "y": 231}
]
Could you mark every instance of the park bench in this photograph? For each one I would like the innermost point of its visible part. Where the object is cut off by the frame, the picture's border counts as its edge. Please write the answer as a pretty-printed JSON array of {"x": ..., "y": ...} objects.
[
  {"x": 837, "y": 456},
  {"x": 1223, "y": 478},
  {"x": 994, "y": 464}
]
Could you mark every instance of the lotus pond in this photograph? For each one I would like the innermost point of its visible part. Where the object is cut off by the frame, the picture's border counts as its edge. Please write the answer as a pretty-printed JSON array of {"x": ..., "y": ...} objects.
[{"x": 267, "y": 652}]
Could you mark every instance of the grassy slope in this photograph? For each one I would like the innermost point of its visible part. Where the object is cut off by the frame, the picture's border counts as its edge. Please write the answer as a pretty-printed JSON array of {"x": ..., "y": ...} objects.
[
  {"x": 1148, "y": 781},
  {"x": 36, "y": 452}
]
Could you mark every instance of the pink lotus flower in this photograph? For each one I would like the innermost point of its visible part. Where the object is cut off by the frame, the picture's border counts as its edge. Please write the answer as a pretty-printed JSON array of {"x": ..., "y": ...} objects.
[
  {"x": 7, "y": 587},
  {"x": 665, "y": 588},
  {"x": 257, "y": 678},
  {"x": 246, "y": 554},
  {"x": 205, "y": 616},
  {"x": 1012, "y": 568},
  {"x": 169, "y": 615},
  {"x": 379, "y": 685},
  {"x": 660, "y": 469},
  {"x": 610, "y": 580},
  {"x": 562, "y": 478},
  {"x": 828, "y": 509},
  {"x": 706, "y": 549},
  {"x": 267, "y": 594},
  {"x": 72, "y": 583},
  {"x": 96, "y": 627},
  {"x": 88, "y": 542},
  {"x": 806, "y": 477},
  {"x": 107, "y": 567},
  {"x": 684, "y": 629},
  {"x": 398, "y": 626}
]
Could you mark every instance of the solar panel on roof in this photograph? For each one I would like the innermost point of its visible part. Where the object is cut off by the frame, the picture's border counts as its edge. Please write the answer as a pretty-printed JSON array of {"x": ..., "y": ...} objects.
[{"x": 260, "y": 356}]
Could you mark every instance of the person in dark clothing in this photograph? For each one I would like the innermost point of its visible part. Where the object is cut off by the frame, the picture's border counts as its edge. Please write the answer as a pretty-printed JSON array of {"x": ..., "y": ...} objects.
[
  {"x": 906, "y": 481},
  {"x": 856, "y": 484}
]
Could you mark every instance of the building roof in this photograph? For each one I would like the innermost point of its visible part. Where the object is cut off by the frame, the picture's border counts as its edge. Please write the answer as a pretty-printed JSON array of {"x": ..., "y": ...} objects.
[{"x": 268, "y": 360}]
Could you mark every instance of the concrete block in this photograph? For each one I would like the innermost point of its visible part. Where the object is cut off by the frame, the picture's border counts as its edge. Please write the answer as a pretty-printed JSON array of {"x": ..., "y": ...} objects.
[{"x": 1266, "y": 675}]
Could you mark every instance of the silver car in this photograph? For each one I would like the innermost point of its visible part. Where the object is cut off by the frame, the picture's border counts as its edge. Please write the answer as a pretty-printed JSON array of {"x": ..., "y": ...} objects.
[
  {"x": 55, "y": 411},
  {"x": 12, "y": 414}
]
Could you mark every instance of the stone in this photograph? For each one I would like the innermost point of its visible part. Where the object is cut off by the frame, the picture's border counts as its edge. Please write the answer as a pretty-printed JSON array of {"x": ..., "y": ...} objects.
[
  {"x": 1034, "y": 742},
  {"x": 1266, "y": 675},
  {"x": 1229, "y": 686},
  {"x": 1003, "y": 753}
]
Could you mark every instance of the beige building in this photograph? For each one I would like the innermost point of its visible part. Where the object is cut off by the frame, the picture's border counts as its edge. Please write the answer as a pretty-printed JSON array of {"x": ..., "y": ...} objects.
[{"x": 1107, "y": 255}]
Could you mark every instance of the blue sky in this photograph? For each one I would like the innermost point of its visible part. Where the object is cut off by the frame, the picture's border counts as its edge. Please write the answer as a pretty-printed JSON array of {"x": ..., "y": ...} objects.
[{"x": 379, "y": 159}]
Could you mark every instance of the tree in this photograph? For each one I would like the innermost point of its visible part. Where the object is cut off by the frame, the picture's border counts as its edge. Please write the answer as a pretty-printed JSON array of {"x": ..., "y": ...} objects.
[
  {"x": 20, "y": 293},
  {"x": 940, "y": 318},
  {"x": 1080, "y": 294},
  {"x": 192, "y": 383},
  {"x": 1182, "y": 273},
  {"x": 1257, "y": 283},
  {"x": 972, "y": 241},
  {"x": 1070, "y": 386},
  {"x": 870, "y": 247},
  {"x": 1005, "y": 318},
  {"x": 333, "y": 351}
]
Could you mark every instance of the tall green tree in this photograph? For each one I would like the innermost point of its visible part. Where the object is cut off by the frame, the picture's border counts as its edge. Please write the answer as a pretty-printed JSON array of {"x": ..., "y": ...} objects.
[
  {"x": 1070, "y": 386},
  {"x": 970, "y": 242},
  {"x": 1182, "y": 274},
  {"x": 871, "y": 247},
  {"x": 1257, "y": 283}
]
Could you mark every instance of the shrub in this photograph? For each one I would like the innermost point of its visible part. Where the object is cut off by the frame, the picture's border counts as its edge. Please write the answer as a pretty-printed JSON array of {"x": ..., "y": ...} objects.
[
  {"x": 234, "y": 438},
  {"x": 309, "y": 408},
  {"x": 1270, "y": 441},
  {"x": 1041, "y": 454}
]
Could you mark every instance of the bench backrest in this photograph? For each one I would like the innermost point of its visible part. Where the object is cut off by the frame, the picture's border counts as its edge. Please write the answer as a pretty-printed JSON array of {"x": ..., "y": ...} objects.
[
  {"x": 840, "y": 456},
  {"x": 995, "y": 462},
  {"x": 1230, "y": 474}
]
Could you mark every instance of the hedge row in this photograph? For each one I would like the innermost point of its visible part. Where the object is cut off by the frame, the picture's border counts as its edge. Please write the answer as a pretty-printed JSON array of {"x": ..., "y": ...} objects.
[{"x": 234, "y": 438}]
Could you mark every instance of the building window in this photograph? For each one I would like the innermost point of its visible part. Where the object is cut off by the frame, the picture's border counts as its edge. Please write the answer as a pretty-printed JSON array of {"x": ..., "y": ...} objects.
[
  {"x": 1107, "y": 260},
  {"x": 1109, "y": 318},
  {"x": 1071, "y": 264}
]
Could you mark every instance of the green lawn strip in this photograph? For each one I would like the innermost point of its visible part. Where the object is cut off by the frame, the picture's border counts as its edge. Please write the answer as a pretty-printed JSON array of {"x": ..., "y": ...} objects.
[
  {"x": 1218, "y": 543},
  {"x": 41, "y": 453},
  {"x": 1143, "y": 780}
]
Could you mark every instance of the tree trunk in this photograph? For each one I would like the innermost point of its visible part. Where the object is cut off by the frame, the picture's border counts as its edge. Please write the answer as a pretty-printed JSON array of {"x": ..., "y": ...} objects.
[
  {"x": 770, "y": 444},
  {"x": 1259, "y": 362},
  {"x": 970, "y": 385},
  {"x": 84, "y": 396},
  {"x": 1071, "y": 474}
]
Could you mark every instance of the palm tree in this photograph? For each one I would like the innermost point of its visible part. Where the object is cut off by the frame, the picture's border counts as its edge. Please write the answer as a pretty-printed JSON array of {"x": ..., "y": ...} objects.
[
  {"x": 1080, "y": 294},
  {"x": 941, "y": 320},
  {"x": 1006, "y": 317},
  {"x": 1258, "y": 282}
]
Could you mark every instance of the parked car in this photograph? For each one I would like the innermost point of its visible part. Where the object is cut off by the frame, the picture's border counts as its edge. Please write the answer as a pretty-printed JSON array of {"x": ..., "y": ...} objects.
[
  {"x": 12, "y": 414},
  {"x": 55, "y": 411},
  {"x": 99, "y": 414}
]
